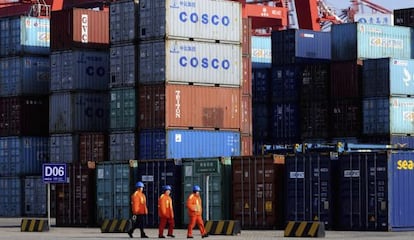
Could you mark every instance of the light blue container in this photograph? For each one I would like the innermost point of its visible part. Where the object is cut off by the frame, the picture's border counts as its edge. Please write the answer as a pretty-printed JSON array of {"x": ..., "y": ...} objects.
[
  {"x": 159, "y": 144},
  {"x": 79, "y": 70},
  {"x": 261, "y": 53},
  {"x": 64, "y": 148},
  {"x": 22, "y": 35},
  {"x": 20, "y": 156},
  {"x": 11, "y": 197},
  {"x": 123, "y": 65},
  {"x": 389, "y": 115},
  {"x": 24, "y": 76},
  {"x": 358, "y": 40},
  {"x": 123, "y": 146}
]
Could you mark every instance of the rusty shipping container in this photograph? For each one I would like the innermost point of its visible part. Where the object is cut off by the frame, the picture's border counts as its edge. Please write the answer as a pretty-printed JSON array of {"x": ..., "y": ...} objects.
[
  {"x": 246, "y": 75},
  {"x": 246, "y": 126},
  {"x": 246, "y": 145},
  {"x": 258, "y": 191},
  {"x": 246, "y": 36},
  {"x": 92, "y": 147},
  {"x": 189, "y": 106},
  {"x": 79, "y": 28}
]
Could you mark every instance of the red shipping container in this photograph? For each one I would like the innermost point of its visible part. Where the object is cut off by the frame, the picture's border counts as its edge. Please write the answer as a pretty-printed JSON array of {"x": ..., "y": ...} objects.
[
  {"x": 246, "y": 142},
  {"x": 246, "y": 38},
  {"x": 346, "y": 79},
  {"x": 246, "y": 115},
  {"x": 79, "y": 28},
  {"x": 92, "y": 147},
  {"x": 247, "y": 75},
  {"x": 189, "y": 106}
]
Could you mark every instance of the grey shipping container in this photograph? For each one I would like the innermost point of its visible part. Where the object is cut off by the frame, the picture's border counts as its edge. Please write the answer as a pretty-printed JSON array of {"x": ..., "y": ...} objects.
[
  {"x": 123, "y": 21},
  {"x": 123, "y": 146},
  {"x": 123, "y": 65}
]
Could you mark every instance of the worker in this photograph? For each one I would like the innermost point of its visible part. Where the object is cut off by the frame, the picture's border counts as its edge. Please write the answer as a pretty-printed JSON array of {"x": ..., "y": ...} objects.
[
  {"x": 139, "y": 210},
  {"x": 195, "y": 209},
  {"x": 166, "y": 212}
]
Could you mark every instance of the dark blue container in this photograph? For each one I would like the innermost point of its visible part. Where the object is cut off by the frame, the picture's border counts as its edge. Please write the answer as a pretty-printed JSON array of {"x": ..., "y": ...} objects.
[
  {"x": 285, "y": 123},
  {"x": 155, "y": 174},
  {"x": 261, "y": 78},
  {"x": 123, "y": 65},
  {"x": 11, "y": 197},
  {"x": 285, "y": 83},
  {"x": 345, "y": 117},
  {"x": 261, "y": 121},
  {"x": 123, "y": 21},
  {"x": 314, "y": 119},
  {"x": 123, "y": 146}
]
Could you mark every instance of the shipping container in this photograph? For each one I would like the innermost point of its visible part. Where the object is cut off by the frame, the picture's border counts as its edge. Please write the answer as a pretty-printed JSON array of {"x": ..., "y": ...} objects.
[
  {"x": 177, "y": 143},
  {"x": 261, "y": 85},
  {"x": 123, "y": 65},
  {"x": 246, "y": 82},
  {"x": 200, "y": 20},
  {"x": 374, "y": 18},
  {"x": 387, "y": 77},
  {"x": 387, "y": 115},
  {"x": 79, "y": 70},
  {"x": 189, "y": 106},
  {"x": 93, "y": 147},
  {"x": 258, "y": 191},
  {"x": 24, "y": 35},
  {"x": 123, "y": 146},
  {"x": 35, "y": 197},
  {"x": 285, "y": 83},
  {"x": 27, "y": 75},
  {"x": 64, "y": 148},
  {"x": 345, "y": 117},
  {"x": 79, "y": 28},
  {"x": 261, "y": 52},
  {"x": 214, "y": 178},
  {"x": 300, "y": 45},
  {"x": 246, "y": 145},
  {"x": 354, "y": 41},
  {"x": 24, "y": 115},
  {"x": 178, "y": 61},
  {"x": 402, "y": 141},
  {"x": 261, "y": 122},
  {"x": 246, "y": 36},
  {"x": 123, "y": 21},
  {"x": 346, "y": 79},
  {"x": 123, "y": 109},
  {"x": 155, "y": 174},
  {"x": 404, "y": 17},
  {"x": 78, "y": 111},
  {"x": 75, "y": 200},
  {"x": 314, "y": 82},
  {"x": 314, "y": 119},
  {"x": 246, "y": 125},
  {"x": 309, "y": 190},
  {"x": 20, "y": 156},
  {"x": 115, "y": 182},
  {"x": 11, "y": 197},
  {"x": 285, "y": 123}
]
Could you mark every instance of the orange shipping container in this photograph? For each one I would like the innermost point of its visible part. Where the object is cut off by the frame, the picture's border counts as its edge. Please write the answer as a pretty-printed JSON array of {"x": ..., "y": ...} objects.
[
  {"x": 79, "y": 28},
  {"x": 247, "y": 76},
  {"x": 246, "y": 41},
  {"x": 189, "y": 106},
  {"x": 246, "y": 142},
  {"x": 246, "y": 115}
]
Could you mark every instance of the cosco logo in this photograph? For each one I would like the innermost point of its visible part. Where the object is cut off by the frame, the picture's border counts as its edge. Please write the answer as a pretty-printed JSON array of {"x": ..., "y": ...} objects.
[
  {"x": 99, "y": 71},
  {"x": 205, "y": 63},
  {"x": 405, "y": 165},
  {"x": 204, "y": 18}
]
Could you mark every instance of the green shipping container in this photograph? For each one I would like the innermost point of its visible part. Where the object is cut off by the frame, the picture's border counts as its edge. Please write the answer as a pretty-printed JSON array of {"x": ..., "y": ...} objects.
[{"x": 123, "y": 109}]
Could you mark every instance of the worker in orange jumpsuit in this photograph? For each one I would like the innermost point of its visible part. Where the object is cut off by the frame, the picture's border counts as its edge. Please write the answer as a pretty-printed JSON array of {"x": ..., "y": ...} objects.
[
  {"x": 166, "y": 213},
  {"x": 139, "y": 210},
  {"x": 195, "y": 209}
]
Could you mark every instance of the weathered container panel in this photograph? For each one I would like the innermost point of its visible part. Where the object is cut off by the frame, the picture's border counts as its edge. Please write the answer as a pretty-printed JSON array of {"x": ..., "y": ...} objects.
[
  {"x": 92, "y": 147},
  {"x": 123, "y": 146},
  {"x": 35, "y": 197},
  {"x": 346, "y": 79},
  {"x": 246, "y": 125},
  {"x": 123, "y": 65},
  {"x": 123, "y": 21},
  {"x": 404, "y": 17},
  {"x": 11, "y": 197},
  {"x": 64, "y": 148},
  {"x": 246, "y": 76},
  {"x": 246, "y": 148},
  {"x": 178, "y": 61},
  {"x": 261, "y": 85},
  {"x": 123, "y": 109},
  {"x": 285, "y": 123},
  {"x": 345, "y": 117}
]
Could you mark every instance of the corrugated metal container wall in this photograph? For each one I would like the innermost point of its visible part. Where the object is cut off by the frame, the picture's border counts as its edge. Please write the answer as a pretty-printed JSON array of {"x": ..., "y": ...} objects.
[
  {"x": 75, "y": 200},
  {"x": 345, "y": 117},
  {"x": 314, "y": 82},
  {"x": 123, "y": 65},
  {"x": 190, "y": 62},
  {"x": 21, "y": 156},
  {"x": 79, "y": 28},
  {"x": 391, "y": 115},
  {"x": 24, "y": 76},
  {"x": 404, "y": 17},
  {"x": 209, "y": 174},
  {"x": 285, "y": 123},
  {"x": 123, "y": 146},
  {"x": 35, "y": 197},
  {"x": 246, "y": 36},
  {"x": 387, "y": 76},
  {"x": 261, "y": 83},
  {"x": 123, "y": 109},
  {"x": 358, "y": 40},
  {"x": 300, "y": 45},
  {"x": 157, "y": 144},
  {"x": 80, "y": 69},
  {"x": 261, "y": 122},
  {"x": 286, "y": 81},
  {"x": 346, "y": 79},
  {"x": 11, "y": 197},
  {"x": 80, "y": 111},
  {"x": 189, "y": 106},
  {"x": 64, "y": 148},
  {"x": 246, "y": 76},
  {"x": 246, "y": 148},
  {"x": 24, "y": 35},
  {"x": 257, "y": 191},
  {"x": 199, "y": 20},
  {"x": 261, "y": 52},
  {"x": 92, "y": 147},
  {"x": 314, "y": 119},
  {"x": 309, "y": 187},
  {"x": 155, "y": 174},
  {"x": 114, "y": 186},
  {"x": 246, "y": 125},
  {"x": 24, "y": 115},
  {"x": 123, "y": 21}
]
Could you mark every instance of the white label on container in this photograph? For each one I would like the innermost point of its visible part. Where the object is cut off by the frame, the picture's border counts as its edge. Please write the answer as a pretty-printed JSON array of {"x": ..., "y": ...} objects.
[
  {"x": 351, "y": 173},
  {"x": 297, "y": 175},
  {"x": 84, "y": 28},
  {"x": 148, "y": 178},
  {"x": 100, "y": 173},
  {"x": 177, "y": 137}
]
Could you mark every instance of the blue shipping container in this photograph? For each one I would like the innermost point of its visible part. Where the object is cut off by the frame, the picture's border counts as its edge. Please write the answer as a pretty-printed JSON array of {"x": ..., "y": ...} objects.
[
  {"x": 24, "y": 76},
  {"x": 260, "y": 122},
  {"x": 123, "y": 146},
  {"x": 64, "y": 148},
  {"x": 285, "y": 123},
  {"x": 20, "y": 156},
  {"x": 261, "y": 85},
  {"x": 159, "y": 144},
  {"x": 261, "y": 52},
  {"x": 11, "y": 197},
  {"x": 359, "y": 40},
  {"x": 123, "y": 21},
  {"x": 123, "y": 65},
  {"x": 79, "y": 70},
  {"x": 35, "y": 201}
]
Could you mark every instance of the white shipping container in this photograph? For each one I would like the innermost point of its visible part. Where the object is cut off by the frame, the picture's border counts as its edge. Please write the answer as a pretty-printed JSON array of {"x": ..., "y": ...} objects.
[
  {"x": 197, "y": 19},
  {"x": 178, "y": 61}
]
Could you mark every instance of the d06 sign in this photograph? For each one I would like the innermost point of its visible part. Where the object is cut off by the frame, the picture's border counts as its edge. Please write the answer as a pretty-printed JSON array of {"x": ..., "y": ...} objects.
[{"x": 54, "y": 173}]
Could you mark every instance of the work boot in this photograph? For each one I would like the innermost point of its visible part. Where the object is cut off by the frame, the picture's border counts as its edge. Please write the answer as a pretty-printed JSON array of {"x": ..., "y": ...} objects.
[{"x": 171, "y": 235}]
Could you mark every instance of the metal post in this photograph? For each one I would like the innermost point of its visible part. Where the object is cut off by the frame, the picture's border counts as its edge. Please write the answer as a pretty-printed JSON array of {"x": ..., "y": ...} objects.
[
  {"x": 48, "y": 205},
  {"x": 207, "y": 197}
]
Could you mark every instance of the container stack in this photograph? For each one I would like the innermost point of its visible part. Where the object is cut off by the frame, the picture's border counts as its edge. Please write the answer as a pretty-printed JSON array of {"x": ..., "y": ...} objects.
[
  {"x": 24, "y": 83},
  {"x": 78, "y": 107}
]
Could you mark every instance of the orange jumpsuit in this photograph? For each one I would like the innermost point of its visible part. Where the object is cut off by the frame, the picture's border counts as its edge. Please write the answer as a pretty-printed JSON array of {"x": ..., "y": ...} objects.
[
  {"x": 166, "y": 214},
  {"x": 195, "y": 209},
  {"x": 139, "y": 210}
]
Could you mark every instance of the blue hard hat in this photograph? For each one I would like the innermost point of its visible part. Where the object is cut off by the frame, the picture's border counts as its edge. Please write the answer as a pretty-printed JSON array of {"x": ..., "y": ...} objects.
[
  {"x": 196, "y": 188},
  {"x": 167, "y": 187},
  {"x": 139, "y": 185}
]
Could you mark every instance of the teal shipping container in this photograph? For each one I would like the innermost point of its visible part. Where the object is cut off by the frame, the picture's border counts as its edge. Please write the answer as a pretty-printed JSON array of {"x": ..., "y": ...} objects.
[
  {"x": 359, "y": 40},
  {"x": 123, "y": 109}
]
